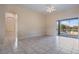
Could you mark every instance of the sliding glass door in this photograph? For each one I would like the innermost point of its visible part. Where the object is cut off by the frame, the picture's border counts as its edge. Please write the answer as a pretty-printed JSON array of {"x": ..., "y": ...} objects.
[
  {"x": 68, "y": 34},
  {"x": 68, "y": 27}
]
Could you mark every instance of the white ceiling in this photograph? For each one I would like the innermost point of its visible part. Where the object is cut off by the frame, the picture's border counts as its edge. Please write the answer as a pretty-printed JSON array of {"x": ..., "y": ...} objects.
[{"x": 42, "y": 7}]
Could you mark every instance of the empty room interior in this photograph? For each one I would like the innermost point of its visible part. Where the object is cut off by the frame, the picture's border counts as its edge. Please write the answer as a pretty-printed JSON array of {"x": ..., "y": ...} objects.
[{"x": 39, "y": 28}]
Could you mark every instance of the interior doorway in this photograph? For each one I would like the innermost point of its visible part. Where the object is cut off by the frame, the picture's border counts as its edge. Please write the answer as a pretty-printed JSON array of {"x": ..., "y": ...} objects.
[{"x": 11, "y": 40}]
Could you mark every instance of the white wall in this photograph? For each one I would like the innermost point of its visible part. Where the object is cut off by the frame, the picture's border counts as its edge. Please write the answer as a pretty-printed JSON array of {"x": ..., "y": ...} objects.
[
  {"x": 50, "y": 25},
  {"x": 30, "y": 23}
]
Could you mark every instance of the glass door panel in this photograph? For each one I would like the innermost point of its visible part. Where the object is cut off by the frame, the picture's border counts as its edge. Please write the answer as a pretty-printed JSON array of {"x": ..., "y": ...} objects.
[{"x": 68, "y": 34}]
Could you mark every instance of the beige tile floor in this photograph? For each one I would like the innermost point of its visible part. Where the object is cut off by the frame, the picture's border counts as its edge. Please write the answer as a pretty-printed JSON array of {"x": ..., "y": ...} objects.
[{"x": 45, "y": 45}]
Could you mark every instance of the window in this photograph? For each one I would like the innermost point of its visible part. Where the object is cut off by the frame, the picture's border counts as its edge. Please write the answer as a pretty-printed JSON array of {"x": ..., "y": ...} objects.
[{"x": 68, "y": 27}]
